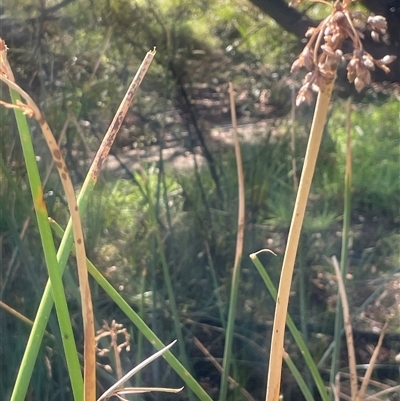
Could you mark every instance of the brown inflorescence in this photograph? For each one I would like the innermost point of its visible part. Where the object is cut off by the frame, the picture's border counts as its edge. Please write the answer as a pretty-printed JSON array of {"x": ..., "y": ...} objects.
[{"x": 323, "y": 52}]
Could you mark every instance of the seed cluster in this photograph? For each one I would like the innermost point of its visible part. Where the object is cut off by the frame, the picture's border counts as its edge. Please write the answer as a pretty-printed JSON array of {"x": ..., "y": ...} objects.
[{"x": 323, "y": 52}]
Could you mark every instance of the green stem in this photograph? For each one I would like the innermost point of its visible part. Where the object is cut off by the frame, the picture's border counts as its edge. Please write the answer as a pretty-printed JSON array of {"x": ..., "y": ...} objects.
[
  {"x": 299, "y": 378},
  {"x": 293, "y": 330},
  {"x": 345, "y": 248},
  {"x": 142, "y": 326},
  {"x": 55, "y": 285},
  {"x": 46, "y": 303},
  {"x": 167, "y": 277},
  {"x": 139, "y": 353},
  {"x": 214, "y": 278}
]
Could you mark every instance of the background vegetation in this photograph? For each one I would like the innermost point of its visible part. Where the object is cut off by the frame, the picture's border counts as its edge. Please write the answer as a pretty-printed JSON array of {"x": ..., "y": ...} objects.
[{"x": 173, "y": 176}]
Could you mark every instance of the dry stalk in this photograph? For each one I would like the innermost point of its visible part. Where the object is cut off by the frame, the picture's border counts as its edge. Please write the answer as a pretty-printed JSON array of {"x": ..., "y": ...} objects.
[
  {"x": 31, "y": 109},
  {"x": 371, "y": 365},
  {"x": 113, "y": 331},
  {"x": 116, "y": 123},
  {"x": 320, "y": 57},
  {"x": 238, "y": 253},
  {"x": 218, "y": 366},
  {"x": 348, "y": 330},
  {"x": 275, "y": 365},
  {"x": 239, "y": 163}
]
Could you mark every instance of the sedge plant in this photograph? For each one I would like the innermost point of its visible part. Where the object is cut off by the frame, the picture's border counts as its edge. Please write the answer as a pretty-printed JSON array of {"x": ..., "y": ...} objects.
[
  {"x": 238, "y": 255},
  {"x": 82, "y": 388},
  {"x": 321, "y": 57},
  {"x": 54, "y": 262},
  {"x": 140, "y": 324}
]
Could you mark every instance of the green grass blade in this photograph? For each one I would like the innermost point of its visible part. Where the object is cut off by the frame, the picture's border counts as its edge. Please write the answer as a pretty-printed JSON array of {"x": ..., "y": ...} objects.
[
  {"x": 293, "y": 330},
  {"x": 66, "y": 243},
  {"x": 299, "y": 378},
  {"x": 34, "y": 341},
  {"x": 142, "y": 326},
  {"x": 345, "y": 247}
]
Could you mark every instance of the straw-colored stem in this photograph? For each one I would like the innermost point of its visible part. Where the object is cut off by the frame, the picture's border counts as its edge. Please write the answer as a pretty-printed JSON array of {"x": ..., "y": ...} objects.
[
  {"x": 379, "y": 395},
  {"x": 232, "y": 382},
  {"x": 238, "y": 256},
  {"x": 141, "y": 325},
  {"x": 275, "y": 364},
  {"x": 56, "y": 288},
  {"x": 87, "y": 307},
  {"x": 371, "y": 365},
  {"x": 348, "y": 330},
  {"x": 293, "y": 141},
  {"x": 43, "y": 313}
]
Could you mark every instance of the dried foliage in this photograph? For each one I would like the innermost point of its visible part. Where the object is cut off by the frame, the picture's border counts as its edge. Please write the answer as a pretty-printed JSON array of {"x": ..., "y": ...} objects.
[{"x": 323, "y": 52}]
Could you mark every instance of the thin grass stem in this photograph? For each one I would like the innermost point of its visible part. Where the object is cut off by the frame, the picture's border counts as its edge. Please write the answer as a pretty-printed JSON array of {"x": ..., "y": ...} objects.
[
  {"x": 46, "y": 303},
  {"x": 348, "y": 330},
  {"x": 371, "y": 365},
  {"x": 338, "y": 330},
  {"x": 293, "y": 330},
  {"x": 167, "y": 276},
  {"x": 141, "y": 325},
  {"x": 298, "y": 377},
  {"x": 230, "y": 327},
  {"x": 56, "y": 288}
]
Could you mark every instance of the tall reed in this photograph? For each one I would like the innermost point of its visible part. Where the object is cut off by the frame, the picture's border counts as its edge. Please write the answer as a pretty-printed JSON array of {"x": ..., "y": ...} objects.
[{"x": 320, "y": 57}]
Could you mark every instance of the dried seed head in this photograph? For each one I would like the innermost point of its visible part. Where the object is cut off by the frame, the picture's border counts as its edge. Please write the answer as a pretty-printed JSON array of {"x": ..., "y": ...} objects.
[
  {"x": 297, "y": 64},
  {"x": 375, "y": 36},
  {"x": 323, "y": 53},
  {"x": 359, "y": 84},
  {"x": 377, "y": 23},
  {"x": 309, "y": 32},
  {"x": 338, "y": 17},
  {"x": 351, "y": 73},
  {"x": 304, "y": 95},
  {"x": 305, "y": 60},
  {"x": 388, "y": 59},
  {"x": 368, "y": 61}
]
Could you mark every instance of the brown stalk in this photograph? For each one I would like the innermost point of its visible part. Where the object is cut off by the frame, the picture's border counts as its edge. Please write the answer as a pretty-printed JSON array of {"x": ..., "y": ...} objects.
[
  {"x": 218, "y": 366},
  {"x": 238, "y": 253},
  {"x": 239, "y": 162},
  {"x": 31, "y": 109},
  {"x": 371, "y": 365},
  {"x": 348, "y": 330},
  {"x": 320, "y": 57},
  {"x": 275, "y": 361},
  {"x": 293, "y": 140},
  {"x": 116, "y": 123}
]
